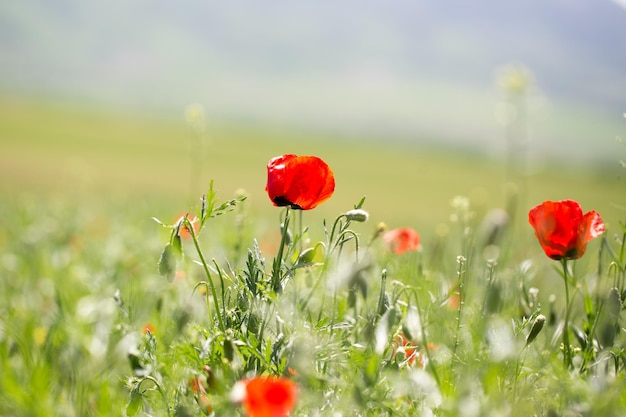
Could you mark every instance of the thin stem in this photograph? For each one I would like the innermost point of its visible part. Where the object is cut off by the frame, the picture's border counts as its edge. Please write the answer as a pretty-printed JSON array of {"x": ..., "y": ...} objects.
[
  {"x": 341, "y": 239},
  {"x": 518, "y": 366},
  {"x": 159, "y": 388},
  {"x": 567, "y": 352},
  {"x": 331, "y": 247},
  {"x": 461, "y": 275},
  {"x": 300, "y": 231},
  {"x": 278, "y": 261},
  {"x": 221, "y": 275},
  {"x": 431, "y": 364},
  {"x": 205, "y": 266}
]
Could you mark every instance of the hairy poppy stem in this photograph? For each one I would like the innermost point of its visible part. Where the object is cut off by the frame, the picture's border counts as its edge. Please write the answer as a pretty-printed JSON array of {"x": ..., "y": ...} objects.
[
  {"x": 461, "y": 294},
  {"x": 278, "y": 261},
  {"x": 205, "y": 266},
  {"x": 159, "y": 388},
  {"x": 567, "y": 351}
]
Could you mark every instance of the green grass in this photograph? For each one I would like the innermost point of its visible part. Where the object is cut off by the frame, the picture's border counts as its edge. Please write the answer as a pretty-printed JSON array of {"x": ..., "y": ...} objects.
[{"x": 79, "y": 277}]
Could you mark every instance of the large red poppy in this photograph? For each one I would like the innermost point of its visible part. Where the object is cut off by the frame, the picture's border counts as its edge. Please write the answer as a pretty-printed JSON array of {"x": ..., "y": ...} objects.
[
  {"x": 300, "y": 182},
  {"x": 562, "y": 228},
  {"x": 269, "y": 396},
  {"x": 402, "y": 239}
]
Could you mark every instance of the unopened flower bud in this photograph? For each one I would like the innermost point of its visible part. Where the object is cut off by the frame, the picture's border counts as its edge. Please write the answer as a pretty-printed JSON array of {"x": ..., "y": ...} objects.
[
  {"x": 380, "y": 229},
  {"x": 536, "y": 328},
  {"x": 357, "y": 215}
]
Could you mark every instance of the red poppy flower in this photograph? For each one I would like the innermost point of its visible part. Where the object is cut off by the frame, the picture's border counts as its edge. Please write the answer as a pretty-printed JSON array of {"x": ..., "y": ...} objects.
[
  {"x": 301, "y": 182},
  {"x": 184, "y": 231},
  {"x": 148, "y": 328},
  {"x": 268, "y": 396},
  {"x": 562, "y": 229},
  {"x": 402, "y": 240},
  {"x": 404, "y": 345}
]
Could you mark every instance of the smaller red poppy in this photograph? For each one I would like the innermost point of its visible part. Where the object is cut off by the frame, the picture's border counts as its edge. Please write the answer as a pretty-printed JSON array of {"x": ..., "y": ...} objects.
[
  {"x": 562, "y": 229},
  {"x": 300, "y": 182},
  {"x": 267, "y": 396},
  {"x": 407, "y": 347},
  {"x": 402, "y": 240},
  {"x": 184, "y": 231},
  {"x": 148, "y": 328}
]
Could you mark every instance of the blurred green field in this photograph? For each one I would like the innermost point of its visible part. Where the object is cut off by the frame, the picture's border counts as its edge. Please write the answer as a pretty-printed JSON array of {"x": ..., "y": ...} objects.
[
  {"x": 91, "y": 156},
  {"x": 80, "y": 279}
]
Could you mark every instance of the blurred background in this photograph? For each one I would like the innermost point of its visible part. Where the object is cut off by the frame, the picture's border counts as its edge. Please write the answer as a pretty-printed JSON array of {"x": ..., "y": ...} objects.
[{"x": 410, "y": 102}]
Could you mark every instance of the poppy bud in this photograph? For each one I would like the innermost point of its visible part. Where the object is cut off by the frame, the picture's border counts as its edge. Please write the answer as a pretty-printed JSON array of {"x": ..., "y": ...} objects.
[
  {"x": 357, "y": 215},
  {"x": 167, "y": 262},
  {"x": 536, "y": 328}
]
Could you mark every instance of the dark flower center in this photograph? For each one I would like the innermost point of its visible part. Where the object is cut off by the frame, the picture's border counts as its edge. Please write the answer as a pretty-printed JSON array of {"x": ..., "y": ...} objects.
[{"x": 281, "y": 201}]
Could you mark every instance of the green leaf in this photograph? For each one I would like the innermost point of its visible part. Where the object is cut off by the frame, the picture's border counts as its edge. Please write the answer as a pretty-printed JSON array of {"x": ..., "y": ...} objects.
[{"x": 159, "y": 222}]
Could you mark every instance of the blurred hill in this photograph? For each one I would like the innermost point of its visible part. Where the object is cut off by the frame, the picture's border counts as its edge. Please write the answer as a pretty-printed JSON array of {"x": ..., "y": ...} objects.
[{"x": 417, "y": 71}]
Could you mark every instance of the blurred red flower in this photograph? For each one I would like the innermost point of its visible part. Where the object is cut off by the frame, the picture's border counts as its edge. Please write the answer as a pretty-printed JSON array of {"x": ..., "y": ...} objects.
[
  {"x": 402, "y": 239},
  {"x": 562, "y": 229},
  {"x": 301, "y": 182},
  {"x": 269, "y": 396},
  {"x": 184, "y": 231},
  {"x": 411, "y": 351},
  {"x": 409, "y": 348}
]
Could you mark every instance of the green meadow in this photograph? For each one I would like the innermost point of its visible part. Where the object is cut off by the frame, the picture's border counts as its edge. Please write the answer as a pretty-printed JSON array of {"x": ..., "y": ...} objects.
[
  {"x": 82, "y": 153},
  {"x": 85, "y": 271}
]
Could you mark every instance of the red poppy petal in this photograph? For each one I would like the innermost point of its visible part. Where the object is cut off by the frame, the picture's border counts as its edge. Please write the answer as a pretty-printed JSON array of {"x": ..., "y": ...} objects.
[
  {"x": 562, "y": 230},
  {"x": 402, "y": 239},
  {"x": 301, "y": 182},
  {"x": 594, "y": 226},
  {"x": 313, "y": 182},
  {"x": 269, "y": 397},
  {"x": 278, "y": 178}
]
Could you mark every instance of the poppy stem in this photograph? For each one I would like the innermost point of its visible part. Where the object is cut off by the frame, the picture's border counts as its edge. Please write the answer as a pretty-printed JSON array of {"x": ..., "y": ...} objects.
[
  {"x": 205, "y": 266},
  {"x": 159, "y": 388},
  {"x": 567, "y": 351},
  {"x": 278, "y": 261},
  {"x": 300, "y": 231},
  {"x": 461, "y": 294},
  {"x": 331, "y": 247}
]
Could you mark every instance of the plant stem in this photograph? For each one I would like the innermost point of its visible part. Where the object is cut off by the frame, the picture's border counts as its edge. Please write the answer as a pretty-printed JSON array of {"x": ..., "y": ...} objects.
[
  {"x": 431, "y": 363},
  {"x": 567, "y": 352},
  {"x": 278, "y": 261},
  {"x": 205, "y": 266},
  {"x": 159, "y": 388},
  {"x": 461, "y": 275}
]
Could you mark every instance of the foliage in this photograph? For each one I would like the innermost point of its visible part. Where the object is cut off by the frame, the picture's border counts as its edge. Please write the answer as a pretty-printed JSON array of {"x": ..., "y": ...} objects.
[{"x": 89, "y": 327}]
